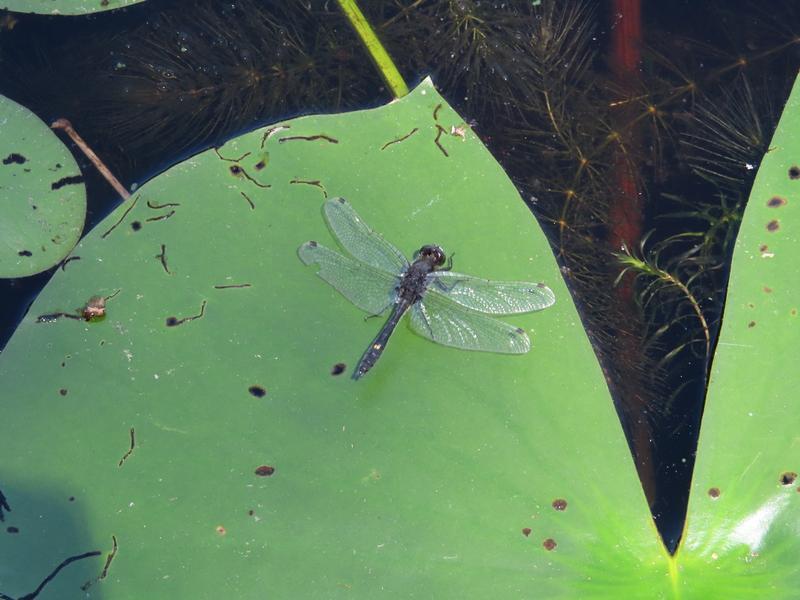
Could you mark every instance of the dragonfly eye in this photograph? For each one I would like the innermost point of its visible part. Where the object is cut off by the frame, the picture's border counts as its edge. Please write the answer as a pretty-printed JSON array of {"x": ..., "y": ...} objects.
[
  {"x": 434, "y": 253},
  {"x": 439, "y": 256}
]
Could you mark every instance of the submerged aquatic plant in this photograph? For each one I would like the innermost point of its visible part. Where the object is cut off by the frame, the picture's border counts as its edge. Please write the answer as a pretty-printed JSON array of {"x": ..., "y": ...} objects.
[{"x": 190, "y": 74}]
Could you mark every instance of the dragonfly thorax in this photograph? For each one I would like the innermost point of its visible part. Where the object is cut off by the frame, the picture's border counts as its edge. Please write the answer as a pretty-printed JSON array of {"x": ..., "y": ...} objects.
[{"x": 415, "y": 280}]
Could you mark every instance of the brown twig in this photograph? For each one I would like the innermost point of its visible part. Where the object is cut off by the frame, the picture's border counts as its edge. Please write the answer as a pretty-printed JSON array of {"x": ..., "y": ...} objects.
[{"x": 104, "y": 170}]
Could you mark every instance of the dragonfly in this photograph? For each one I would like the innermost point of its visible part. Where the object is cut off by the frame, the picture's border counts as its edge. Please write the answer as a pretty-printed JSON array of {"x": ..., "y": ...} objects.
[{"x": 446, "y": 307}]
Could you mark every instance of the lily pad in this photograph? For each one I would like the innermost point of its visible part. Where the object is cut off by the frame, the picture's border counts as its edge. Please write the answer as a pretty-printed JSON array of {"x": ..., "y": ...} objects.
[
  {"x": 208, "y": 429},
  {"x": 64, "y": 7},
  {"x": 742, "y": 529},
  {"x": 42, "y": 194}
]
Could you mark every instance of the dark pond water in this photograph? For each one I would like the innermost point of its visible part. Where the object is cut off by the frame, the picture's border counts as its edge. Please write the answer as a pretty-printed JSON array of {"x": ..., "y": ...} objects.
[{"x": 606, "y": 138}]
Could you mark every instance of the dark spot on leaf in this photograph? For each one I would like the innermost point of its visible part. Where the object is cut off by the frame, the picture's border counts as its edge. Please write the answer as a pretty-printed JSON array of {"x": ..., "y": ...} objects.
[
  {"x": 794, "y": 173},
  {"x": 788, "y": 478},
  {"x": 773, "y": 225},
  {"x": 793, "y": 312},
  {"x": 63, "y": 391},
  {"x": 776, "y": 201},
  {"x": 714, "y": 492},
  {"x": 236, "y": 169},
  {"x": 560, "y": 504},
  {"x": 15, "y": 159},
  {"x": 172, "y": 321},
  {"x": 257, "y": 391},
  {"x": 25, "y": 253},
  {"x": 221, "y": 530},
  {"x": 751, "y": 324},
  {"x": 136, "y": 225},
  {"x": 549, "y": 544},
  {"x": 338, "y": 369},
  {"x": 265, "y": 471},
  {"x": 12, "y": 529},
  {"x": 260, "y": 165},
  {"x": 251, "y": 512},
  {"x": 72, "y": 498},
  {"x": 520, "y": 330},
  {"x": 767, "y": 290},
  {"x": 763, "y": 248},
  {"x": 526, "y": 531},
  {"x": 66, "y": 181},
  {"x": 312, "y": 243}
]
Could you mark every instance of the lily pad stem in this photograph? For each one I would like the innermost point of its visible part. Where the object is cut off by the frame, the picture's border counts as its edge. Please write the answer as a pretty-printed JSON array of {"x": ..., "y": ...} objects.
[{"x": 376, "y": 50}]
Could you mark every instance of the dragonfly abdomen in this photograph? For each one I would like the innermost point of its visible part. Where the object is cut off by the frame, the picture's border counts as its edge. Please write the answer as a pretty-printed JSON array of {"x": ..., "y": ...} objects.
[{"x": 378, "y": 345}]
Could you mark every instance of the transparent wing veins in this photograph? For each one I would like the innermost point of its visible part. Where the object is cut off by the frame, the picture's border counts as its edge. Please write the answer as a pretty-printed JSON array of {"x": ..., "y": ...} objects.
[
  {"x": 491, "y": 297},
  {"x": 360, "y": 240},
  {"x": 438, "y": 318},
  {"x": 370, "y": 289}
]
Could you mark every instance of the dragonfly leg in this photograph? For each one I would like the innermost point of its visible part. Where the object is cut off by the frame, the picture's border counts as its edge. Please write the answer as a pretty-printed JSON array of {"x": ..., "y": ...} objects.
[
  {"x": 445, "y": 287},
  {"x": 449, "y": 264},
  {"x": 379, "y": 313}
]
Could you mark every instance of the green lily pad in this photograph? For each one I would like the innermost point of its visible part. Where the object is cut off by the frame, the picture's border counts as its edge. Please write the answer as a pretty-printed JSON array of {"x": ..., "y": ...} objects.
[
  {"x": 202, "y": 426},
  {"x": 42, "y": 194},
  {"x": 64, "y": 7},
  {"x": 743, "y": 514}
]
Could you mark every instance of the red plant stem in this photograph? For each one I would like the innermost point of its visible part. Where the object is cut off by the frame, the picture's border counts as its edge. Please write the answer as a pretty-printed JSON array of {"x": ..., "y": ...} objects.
[
  {"x": 625, "y": 218},
  {"x": 625, "y": 213},
  {"x": 626, "y": 39}
]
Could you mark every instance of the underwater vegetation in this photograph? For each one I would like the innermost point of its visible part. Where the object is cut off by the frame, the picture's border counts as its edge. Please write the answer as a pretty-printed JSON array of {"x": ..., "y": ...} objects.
[{"x": 685, "y": 135}]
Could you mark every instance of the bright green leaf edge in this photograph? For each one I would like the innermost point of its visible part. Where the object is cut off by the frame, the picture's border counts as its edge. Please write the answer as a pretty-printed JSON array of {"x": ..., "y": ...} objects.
[
  {"x": 440, "y": 474},
  {"x": 742, "y": 530},
  {"x": 42, "y": 195},
  {"x": 64, "y": 7}
]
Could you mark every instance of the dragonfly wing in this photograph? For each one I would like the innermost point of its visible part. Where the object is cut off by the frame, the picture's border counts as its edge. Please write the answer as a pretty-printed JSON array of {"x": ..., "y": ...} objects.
[
  {"x": 358, "y": 239},
  {"x": 492, "y": 297},
  {"x": 438, "y": 318},
  {"x": 368, "y": 288}
]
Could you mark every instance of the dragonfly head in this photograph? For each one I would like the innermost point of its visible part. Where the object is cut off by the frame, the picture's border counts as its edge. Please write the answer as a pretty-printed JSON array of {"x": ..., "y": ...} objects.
[{"x": 432, "y": 254}]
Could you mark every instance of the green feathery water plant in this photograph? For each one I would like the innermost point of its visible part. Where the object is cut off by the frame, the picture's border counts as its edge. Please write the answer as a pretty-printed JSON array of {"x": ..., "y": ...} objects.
[{"x": 665, "y": 286}]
